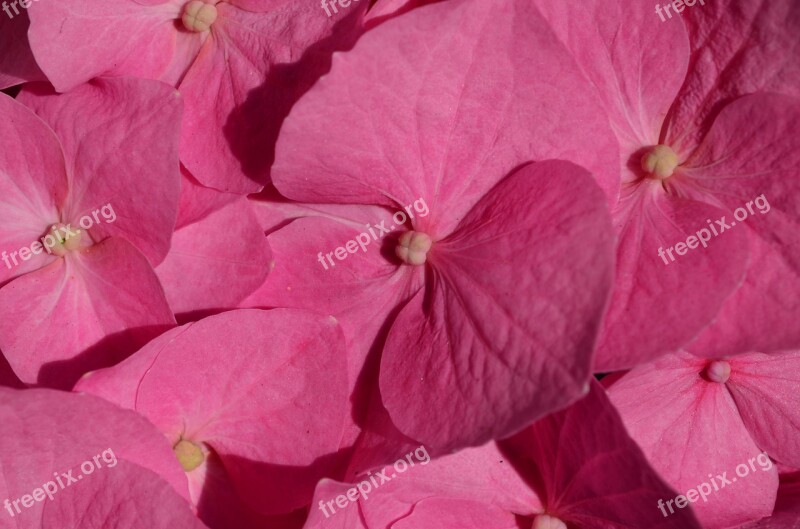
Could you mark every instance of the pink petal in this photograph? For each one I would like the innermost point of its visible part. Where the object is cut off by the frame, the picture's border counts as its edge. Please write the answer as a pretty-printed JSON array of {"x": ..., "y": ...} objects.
[
  {"x": 17, "y": 64},
  {"x": 33, "y": 186},
  {"x": 741, "y": 170},
  {"x": 590, "y": 472},
  {"x": 202, "y": 257},
  {"x": 147, "y": 501},
  {"x": 198, "y": 201},
  {"x": 505, "y": 332},
  {"x": 105, "y": 126},
  {"x": 48, "y": 432},
  {"x": 456, "y": 514},
  {"x": 692, "y": 433},
  {"x": 76, "y": 40},
  {"x": 738, "y": 48},
  {"x": 636, "y": 63},
  {"x": 661, "y": 304},
  {"x": 445, "y": 123},
  {"x": 764, "y": 388},
  {"x": 79, "y": 313},
  {"x": 361, "y": 290},
  {"x": 237, "y": 85},
  {"x": 274, "y": 409}
]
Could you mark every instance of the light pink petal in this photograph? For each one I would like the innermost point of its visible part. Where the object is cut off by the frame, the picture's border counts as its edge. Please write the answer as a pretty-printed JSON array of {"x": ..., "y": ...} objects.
[
  {"x": 692, "y": 433},
  {"x": 662, "y": 301},
  {"x": 505, "y": 332},
  {"x": 48, "y": 432},
  {"x": 76, "y": 40},
  {"x": 216, "y": 262},
  {"x": 273, "y": 409},
  {"x": 635, "y": 63},
  {"x": 442, "y": 103},
  {"x": 239, "y": 88},
  {"x": 120, "y": 137},
  {"x": 17, "y": 64},
  {"x": 33, "y": 186},
  {"x": 591, "y": 473},
  {"x": 738, "y": 48},
  {"x": 765, "y": 390},
  {"x": 83, "y": 312},
  {"x": 749, "y": 160}
]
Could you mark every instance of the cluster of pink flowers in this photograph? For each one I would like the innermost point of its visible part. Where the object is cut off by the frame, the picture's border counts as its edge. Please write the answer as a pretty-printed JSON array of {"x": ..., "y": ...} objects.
[{"x": 516, "y": 325}]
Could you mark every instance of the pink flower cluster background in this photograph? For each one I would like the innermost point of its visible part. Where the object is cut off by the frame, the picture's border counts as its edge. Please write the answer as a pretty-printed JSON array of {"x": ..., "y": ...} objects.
[{"x": 524, "y": 332}]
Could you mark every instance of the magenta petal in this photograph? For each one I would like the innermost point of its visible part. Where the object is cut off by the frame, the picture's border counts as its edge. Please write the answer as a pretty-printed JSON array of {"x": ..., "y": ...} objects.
[
  {"x": 48, "y": 432},
  {"x": 446, "y": 124},
  {"x": 506, "y": 331},
  {"x": 105, "y": 126},
  {"x": 765, "y": 389},
  {"x": 273, "y": 410},
  {"x": 692, "y": 433},
  {"x": 83, "y": 312},
  {"x": 17, "y": 64},
  {"x": 456, "y": 514}
]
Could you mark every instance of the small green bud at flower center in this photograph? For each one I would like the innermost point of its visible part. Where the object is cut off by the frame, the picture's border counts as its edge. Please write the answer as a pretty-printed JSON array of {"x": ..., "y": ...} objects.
[
  {"x": 62, "y": 238},
  {"x": 413, "y": 246},
  {"x": 660, "y": 162},
  {"x": 718, "y": 371},
  {"x": 198, "y": 16},
  {"x": 189, "y": 455}
]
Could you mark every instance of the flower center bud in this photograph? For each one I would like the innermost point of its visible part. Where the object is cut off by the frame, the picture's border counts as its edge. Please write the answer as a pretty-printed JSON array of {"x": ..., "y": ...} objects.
[
  {"x": 413, "y": 246},
  {"x": 660, "y": 162},
  {"x": 62, "y": 238},
  {"x": 545, "y": 521},
  {"x": 198, "y": 16},
  {"x": 189, "y": 455},
  {"x": 719, "y": 371}
]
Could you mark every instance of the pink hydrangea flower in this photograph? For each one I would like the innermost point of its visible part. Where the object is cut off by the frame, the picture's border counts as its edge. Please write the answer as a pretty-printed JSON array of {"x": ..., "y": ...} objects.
[
  {"x": 76, "y": 461},
  {"x": 230, "y": 59},
  {"x": 86, "y": 296},
  {"x": 257, "y": 431},
  {"x": 576, "y": 468},
  {"x": 698, "y": 420},
  {"x": 502, "y": 315},
  {"x": 695, "y": 152}
]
